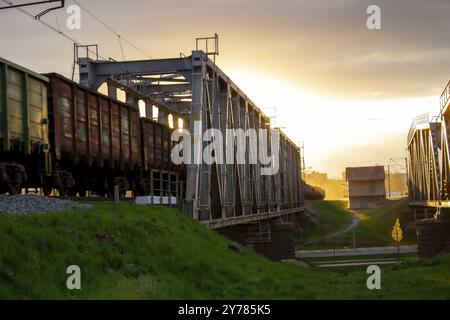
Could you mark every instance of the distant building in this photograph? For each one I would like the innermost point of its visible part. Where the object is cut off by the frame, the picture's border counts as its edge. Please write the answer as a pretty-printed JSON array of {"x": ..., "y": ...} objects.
[{"x": 366, "y": 186}]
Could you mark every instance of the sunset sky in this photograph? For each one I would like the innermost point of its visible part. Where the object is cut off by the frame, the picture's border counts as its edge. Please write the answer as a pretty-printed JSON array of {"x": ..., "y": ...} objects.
[{"x": 348, "y": 92}]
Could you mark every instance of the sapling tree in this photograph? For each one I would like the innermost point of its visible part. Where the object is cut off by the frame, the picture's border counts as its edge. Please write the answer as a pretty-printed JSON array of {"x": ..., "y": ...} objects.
[{"x": 397, "y": 235}]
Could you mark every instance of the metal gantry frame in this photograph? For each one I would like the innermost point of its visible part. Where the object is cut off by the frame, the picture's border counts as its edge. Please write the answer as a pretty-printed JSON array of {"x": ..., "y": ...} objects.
[{"x": 195, "y": 88}]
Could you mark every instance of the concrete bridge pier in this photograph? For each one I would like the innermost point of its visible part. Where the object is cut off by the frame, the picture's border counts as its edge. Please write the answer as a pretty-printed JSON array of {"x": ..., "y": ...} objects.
[
  {"x": 433, "y": 235},
  {"x": 273, "y": 238}
]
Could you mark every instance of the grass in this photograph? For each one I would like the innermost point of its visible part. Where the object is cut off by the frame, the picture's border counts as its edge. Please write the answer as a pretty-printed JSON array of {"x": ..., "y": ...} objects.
[
  {"x": 376, "y": 225},
  {"x": 326, "y": 217},
  {"x": 374, "y": 228},
  {"x": 151, "y": 252}
]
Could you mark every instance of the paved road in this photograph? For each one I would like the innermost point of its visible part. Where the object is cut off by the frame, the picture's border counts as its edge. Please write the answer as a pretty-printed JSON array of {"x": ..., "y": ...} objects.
[
  {"x": 354, "y": 252},
  {"x": 360, "y": 263}
]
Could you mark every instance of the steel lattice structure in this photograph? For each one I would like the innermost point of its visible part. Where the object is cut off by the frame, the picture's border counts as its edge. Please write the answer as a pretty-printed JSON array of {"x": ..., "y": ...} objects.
[
  {"x": 194, "y": 88},
  {"x": 429, "y": 174},
  {"x": 424, "y": 145},
  {"x": 429, "y": 158}
]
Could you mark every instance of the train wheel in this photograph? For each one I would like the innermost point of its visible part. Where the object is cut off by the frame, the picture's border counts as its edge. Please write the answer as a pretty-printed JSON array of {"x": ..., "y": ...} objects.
[
  {"x": 3, "y": 190},
  {"x": 47, "y": 189},
  {"x": 16, "y": 177},
  {"x": 14, "y": 189},
  {"x": 63, "y": 192}
]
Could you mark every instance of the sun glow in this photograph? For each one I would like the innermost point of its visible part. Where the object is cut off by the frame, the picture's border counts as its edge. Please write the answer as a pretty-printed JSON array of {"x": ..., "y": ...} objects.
[{"x": 328, "y": 125}]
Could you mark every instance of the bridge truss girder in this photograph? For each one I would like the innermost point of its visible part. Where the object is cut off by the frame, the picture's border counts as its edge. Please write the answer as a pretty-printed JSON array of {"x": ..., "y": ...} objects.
[
  {"x": 424, "y": 176},
  {"x": 198, "y": 90}
]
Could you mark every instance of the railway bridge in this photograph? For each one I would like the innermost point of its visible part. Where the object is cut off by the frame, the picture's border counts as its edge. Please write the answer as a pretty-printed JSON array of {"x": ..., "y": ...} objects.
[
  {"x": 235, "y": 198},
  {"x": 428, "y": 178}
]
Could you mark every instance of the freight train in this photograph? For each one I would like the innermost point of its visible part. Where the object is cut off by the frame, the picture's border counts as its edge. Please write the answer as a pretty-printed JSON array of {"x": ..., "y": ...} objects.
[{"x": 57, "y": 135}]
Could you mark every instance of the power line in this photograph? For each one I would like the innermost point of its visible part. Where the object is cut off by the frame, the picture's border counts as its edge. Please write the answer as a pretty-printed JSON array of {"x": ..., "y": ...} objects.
[
  {"x": 119, "y": 36},
  {"x": 123, "y": 54},
  {"x": 49, "y": 26},
  {"x": 74, "y": 41},
  {"x": 58, "y": 31}
]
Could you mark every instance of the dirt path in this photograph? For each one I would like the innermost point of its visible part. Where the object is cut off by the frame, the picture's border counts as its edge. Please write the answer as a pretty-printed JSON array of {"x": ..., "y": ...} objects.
[{"x": 353, "y": 224}]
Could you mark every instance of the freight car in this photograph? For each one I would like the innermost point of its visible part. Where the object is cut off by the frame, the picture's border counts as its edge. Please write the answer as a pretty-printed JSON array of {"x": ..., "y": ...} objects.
[
  {"x": 24, "y": 141},
  {"x": 159, "y": 176},
  {"x": 57, "y": 134},
  {"x": 94, "y": 138}
]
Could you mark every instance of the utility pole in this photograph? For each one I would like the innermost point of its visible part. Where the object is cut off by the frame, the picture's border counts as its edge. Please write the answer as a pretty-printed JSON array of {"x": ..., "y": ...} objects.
[
  {"x": 396, "y": 162},
  {"x": 354, "y": 238},
  {"x": 407, "y": 175},
  {"x": 389, "y": 180}
]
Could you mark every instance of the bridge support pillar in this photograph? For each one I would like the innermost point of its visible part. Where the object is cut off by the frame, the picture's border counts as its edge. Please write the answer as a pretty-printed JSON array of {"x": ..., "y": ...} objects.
[
  {"x": 420, "y": 213},
  {"x": 272, "y": 238},
  {"x": 281, "y": 245},
  {"x": 433, "y": 236},
  {"x": 302, "y": 223}
]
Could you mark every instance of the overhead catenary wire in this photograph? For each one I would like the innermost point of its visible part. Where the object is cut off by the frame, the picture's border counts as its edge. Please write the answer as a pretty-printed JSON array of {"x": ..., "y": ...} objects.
[
  {"x": 49, "y": 26},
  {"x": 119, "y": 36},
  {"x": 57, "y": 30},
  {"x": 57, "y": 21},
  {"x": 123, "y": 53}
]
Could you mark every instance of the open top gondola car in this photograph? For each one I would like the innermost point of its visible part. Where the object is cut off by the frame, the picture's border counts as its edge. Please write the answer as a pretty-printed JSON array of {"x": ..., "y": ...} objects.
[
  {"x": 24, "y": 142},
  {"x": 94, "y": 138}
]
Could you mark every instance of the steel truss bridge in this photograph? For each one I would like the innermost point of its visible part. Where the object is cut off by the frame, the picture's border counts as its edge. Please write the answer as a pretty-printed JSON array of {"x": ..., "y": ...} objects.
[
  {"x": 194, "y": 89},
  {"x": 429, "y": 159}
]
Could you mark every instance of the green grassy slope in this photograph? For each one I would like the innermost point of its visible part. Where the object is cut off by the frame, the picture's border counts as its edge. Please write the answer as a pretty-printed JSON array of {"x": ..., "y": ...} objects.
[
  {"x": 376, "y": 225},
  {"x": 141, "y": 252},
  {"x": 326, "y": 217},
  {"x": 374, "y": 228}
]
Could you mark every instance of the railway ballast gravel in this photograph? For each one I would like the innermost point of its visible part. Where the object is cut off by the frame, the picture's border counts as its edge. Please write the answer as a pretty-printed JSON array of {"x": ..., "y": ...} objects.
[{"x": 24, "y": 204}]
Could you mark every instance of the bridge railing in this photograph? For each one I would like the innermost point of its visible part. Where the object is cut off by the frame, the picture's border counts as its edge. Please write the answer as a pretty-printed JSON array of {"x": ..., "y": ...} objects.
[
  {"x": 419, "y": 121},
  {"x": 445, "y": 96}
]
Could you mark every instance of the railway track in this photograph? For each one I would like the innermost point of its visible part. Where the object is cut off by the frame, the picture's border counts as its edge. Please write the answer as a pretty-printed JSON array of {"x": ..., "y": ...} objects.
[
  {"x": 94, "y": 199},
  {"x": 75, "y": 198}
]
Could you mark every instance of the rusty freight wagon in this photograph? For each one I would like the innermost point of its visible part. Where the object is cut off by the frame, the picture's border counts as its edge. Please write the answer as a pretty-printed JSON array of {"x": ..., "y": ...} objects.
[
  {"x": 95, "y": 140},
  {"x": 56, "y": 134},
  {"x": 23, "y": 128},
  {"x": 160, "y": 176}
]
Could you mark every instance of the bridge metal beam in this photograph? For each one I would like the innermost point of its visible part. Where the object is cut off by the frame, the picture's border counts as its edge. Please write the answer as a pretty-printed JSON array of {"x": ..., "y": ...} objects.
[
  {"x": 214, "y": 192},
  {"x": 425, "y": 142}
]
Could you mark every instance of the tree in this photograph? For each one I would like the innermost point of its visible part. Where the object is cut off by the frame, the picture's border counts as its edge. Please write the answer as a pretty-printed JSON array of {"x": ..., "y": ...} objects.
[{"x": 397, "y": 235}]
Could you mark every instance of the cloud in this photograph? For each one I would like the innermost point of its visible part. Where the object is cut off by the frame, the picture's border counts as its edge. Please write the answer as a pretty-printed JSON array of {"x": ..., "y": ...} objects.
[
  {"x": 320, "y": 46},
  {"x": 379, "y": 152},
  {"x": 323, "y": 45}
]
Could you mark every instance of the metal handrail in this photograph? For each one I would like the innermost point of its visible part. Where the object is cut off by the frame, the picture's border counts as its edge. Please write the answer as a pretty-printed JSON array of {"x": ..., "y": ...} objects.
[
  {"x": 445, "y": 96},
  {"x": 420, "y": 119}
]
